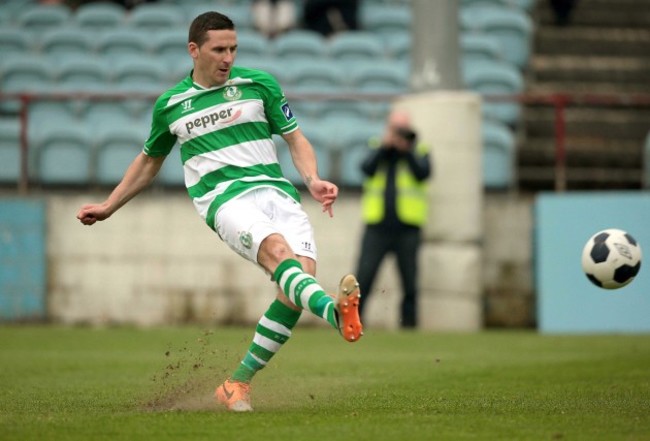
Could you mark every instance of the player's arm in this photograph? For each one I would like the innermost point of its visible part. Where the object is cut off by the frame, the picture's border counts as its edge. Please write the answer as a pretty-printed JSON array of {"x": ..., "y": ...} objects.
[
  {"x": 138, "y": 176},
  {"x": 304, "y": 159}
]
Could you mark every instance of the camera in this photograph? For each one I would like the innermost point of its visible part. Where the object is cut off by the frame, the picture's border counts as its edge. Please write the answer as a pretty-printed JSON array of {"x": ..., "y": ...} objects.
[{"x": 406, "y": 134}]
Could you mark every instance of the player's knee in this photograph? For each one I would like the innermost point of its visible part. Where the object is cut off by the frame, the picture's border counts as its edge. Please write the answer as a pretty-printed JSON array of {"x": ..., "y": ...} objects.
[{"x": 273, "y": 250}]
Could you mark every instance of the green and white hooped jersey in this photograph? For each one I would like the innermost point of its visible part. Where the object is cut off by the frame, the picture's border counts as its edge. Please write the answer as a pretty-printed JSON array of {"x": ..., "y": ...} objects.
[{"x": 225, "y": 134}]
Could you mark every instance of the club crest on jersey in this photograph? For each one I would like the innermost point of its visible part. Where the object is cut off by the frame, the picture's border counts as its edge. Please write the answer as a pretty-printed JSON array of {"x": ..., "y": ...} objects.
[
  {"x": 246, "y": 239},
  {"x": 286, "y": 110},
  {"x": 232, "y": 93},
  {"x": 187, "y": 105}
]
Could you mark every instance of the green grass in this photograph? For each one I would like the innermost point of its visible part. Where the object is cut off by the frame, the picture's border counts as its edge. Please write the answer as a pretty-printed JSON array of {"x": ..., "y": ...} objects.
[{"x": 60, "y": 383}]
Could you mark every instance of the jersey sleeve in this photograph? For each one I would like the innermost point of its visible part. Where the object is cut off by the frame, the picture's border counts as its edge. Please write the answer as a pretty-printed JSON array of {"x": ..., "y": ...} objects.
[
  {"x": 276, "y": 107},
  {"x": 161, "y": 140}
]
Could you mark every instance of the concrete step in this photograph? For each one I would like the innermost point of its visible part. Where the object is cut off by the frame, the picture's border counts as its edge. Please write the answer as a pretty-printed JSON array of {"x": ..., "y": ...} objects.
[
  {"x": 584, "y": 178},
  {"x": 590, "y": 68},
  {"x": 594, "y": 41},
  {"x": 578, "y": 86},
  {"x": 604, "y": 122},
  {"x": 582, "y": 152},
  {"x": 604, "y": 13}
]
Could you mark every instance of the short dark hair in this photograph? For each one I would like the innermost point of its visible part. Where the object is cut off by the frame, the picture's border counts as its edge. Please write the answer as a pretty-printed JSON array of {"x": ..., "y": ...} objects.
[{"x": 208, "y": 21}]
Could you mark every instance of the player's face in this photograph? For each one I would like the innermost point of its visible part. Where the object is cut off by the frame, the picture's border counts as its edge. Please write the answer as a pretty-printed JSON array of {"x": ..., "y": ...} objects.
[{"x": 214, "y": 58}]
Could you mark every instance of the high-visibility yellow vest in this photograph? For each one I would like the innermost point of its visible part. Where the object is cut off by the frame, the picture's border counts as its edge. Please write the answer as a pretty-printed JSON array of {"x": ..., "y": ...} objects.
[{"x": 411, "y": 195}]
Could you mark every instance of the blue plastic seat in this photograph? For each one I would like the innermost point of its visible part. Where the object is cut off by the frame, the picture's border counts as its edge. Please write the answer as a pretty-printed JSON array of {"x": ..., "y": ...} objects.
[
  {"x": 66, "y": 41},
  {"x": 300, "y": 44},
  {"x": 319, "y": 140},
  {"x": 386, "y": 20},
  {"x": 498, "y": 155},
  {"x": 116, "y": 149},
  {"x": 63, "y": 156},
  {"x": 495, "y": 78},
  {"x": 100, "y": 16},
  {"x": 399, "y": 46},
  {"x": 475, "y": 46},
  {"x": 170, "y": 46},
  {"x": 378, "y": 77},
  {"x": 252, "y": 44},
  {"x": 310, "y": 76},
  {"x": 156, "y": 17},
  {"x": 171, "y": 173},
  {"x": 119, "y": 42},
  {"x": 37, "y": 18},
  {"x": 83, "y": 74},
  {"x": 357, "y": 46},
  {"x": 512, "y": 27},
  {"x": 30, "y": 73},
  {"x": 140, "y": 72},
  {"x": 9, "y": 150},
  {"x": 14, "y": 41}
]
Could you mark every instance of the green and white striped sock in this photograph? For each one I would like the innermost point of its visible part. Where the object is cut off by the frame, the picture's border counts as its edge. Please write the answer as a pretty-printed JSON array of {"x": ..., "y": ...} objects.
[
  {"x": 303, "y": 290},
  {"x": 273, "y": 330}
]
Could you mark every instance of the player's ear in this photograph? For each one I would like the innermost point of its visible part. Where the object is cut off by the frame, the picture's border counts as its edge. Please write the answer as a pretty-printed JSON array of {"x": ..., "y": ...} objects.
[{"x": 193, "y": 49}]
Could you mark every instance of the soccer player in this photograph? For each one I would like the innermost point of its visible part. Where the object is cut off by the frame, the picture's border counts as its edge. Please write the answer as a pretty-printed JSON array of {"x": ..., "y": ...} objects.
[{"x": 223, "y": 117}]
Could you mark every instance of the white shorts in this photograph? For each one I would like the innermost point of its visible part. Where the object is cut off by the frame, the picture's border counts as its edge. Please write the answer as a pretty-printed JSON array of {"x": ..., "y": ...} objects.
[{"x": 244, "y": 222}]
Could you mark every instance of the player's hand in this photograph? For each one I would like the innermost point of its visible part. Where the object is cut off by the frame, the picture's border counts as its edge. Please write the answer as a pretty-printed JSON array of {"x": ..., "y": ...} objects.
[
  {"x": 89, "y": 214},
  {"x": 324, "y": 192}
]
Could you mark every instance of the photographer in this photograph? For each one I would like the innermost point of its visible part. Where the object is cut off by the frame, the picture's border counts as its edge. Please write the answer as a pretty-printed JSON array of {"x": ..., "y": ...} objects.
[{"x": 394, "y": 206}]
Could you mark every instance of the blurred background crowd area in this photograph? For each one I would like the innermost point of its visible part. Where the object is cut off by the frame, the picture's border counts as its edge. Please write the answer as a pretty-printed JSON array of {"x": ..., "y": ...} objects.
[{"x": 340, "y": 63}]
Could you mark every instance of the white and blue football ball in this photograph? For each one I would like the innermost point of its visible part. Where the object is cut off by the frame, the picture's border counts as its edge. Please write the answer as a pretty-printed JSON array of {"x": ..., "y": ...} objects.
[{"x": 611, "y": 258}]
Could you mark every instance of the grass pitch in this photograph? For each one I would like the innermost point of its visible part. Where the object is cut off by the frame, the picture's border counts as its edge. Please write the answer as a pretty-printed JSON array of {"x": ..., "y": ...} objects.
[{"x": 61, "y": 383}]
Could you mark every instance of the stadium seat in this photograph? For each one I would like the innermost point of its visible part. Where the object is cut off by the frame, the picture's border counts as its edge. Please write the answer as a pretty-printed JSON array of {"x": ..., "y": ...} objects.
[
  {"x": 309, "y": 76},
  {"x": 252, "y": 44},
  {"x": 156, "y": 17},
  {"x": 299, "y": 44},
  {"x": 498, "y": 155},
  {"x": 171, "y": 173},
  {"x": 29, "y": 73},
  {"x": 143, "y": 72},
  {"x": 351, "y": 145},
  {"x": 108, "y": 114},
  {"x": 356, "y": 45},
  {"x": 476, "y": 46},
  {"x": 9, "y": 150},
  {"x": 100, "y": 16},
  {"x": 120, "y": 42},
  {"x": 63, "y": 156},
  {"x": 170, "y": 46},
  {"x": 238, "y": 12},
  {"x": 83, "y": 74},
  {"x": 386, "y": 20},
  {"x": 116, "y": 149},
  {"x": 14, "y": 41},
  {"x": 319, "y": 140},
  {"x": 378, "y": 77},
  {"x": 398, "y": 47},
  {"x": 512, "y": 27},
  {"x": 495, "y": 78},
  {"x": 66, "y": 41},
  {"x": 37, "y": 18}
]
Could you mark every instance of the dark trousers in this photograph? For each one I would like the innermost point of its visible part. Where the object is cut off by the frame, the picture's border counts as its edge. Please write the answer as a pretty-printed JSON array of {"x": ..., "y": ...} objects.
[{"x": 376, "y": 244}]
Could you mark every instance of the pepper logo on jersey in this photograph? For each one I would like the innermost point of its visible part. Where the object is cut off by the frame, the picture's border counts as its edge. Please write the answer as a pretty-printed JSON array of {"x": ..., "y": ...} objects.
[
  {"x": 232, "y": 93},
  {"x": 286, "y": 110},
  {"x": 225, "y": 116}
]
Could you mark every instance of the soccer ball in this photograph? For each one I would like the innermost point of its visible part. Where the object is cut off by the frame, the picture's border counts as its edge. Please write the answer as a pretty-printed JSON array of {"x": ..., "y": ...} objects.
[{"x": 611, "y": 258}]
